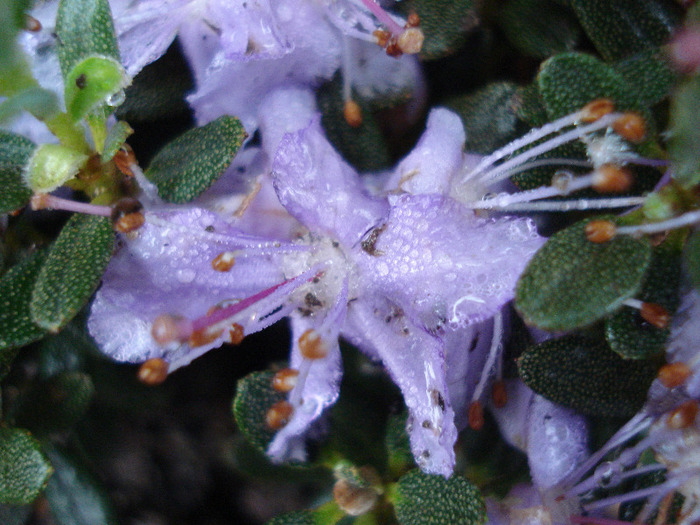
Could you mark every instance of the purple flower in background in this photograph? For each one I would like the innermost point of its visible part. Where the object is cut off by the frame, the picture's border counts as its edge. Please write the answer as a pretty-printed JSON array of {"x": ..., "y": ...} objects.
[{"x": 412, "y": 280}]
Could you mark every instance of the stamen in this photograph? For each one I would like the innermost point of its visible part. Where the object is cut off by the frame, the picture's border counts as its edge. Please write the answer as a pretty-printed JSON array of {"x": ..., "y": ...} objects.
[
  {"x": 41, "y": 201},
  {"x": 169, "y": 328},
  {"x": 673, "y": 375},
  {"x": 352, "y": 113},
  {"x": 224, "y": 262},
  {"x": 312, "y": 346},
  {"x": 683, "y": 416},
  {"x": 31, "y": 24},
  {"x": 686, "y": 219},
  {"x": 567, "y": 205},
  {"x": 127, "y": 215},
  {"x": 285, "y": 380},
  {"x": 630, "y": 126},
  {"x": 612, "y": 179},
  {"x": 124, "y": 159},
  {"x": 652, "y": 313},
  {"x": 596, "y": 109},
  {"x": 153, "y": 372},
  {"x": 384, "y": 17},
  {"x": 148, "y": 189},
  {"x": 475, "y": 416},
  {"x": 499, "y": 394},
  {"x": 600, "y": 231},
  {"x": 351, "y": 110},
  {"x": 278, "y": 415},
  {"x": 494, "y": 354},
  {"x": 236, "y": 334}
]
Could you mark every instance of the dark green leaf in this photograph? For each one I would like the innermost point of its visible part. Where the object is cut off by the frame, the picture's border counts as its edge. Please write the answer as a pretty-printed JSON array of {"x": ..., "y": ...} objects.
[
  {"x": 254, "y": 397},
  {"x": 626, "y": 332},
  {"x": 14, "y": 515},
  {"x": 15, "y": 152},
  {"x": 73, "y": 269},
  {"x": 445, "y": 24},
  {"x": 67, "y": 350},
  {"x": 684, "y": 144},
  {"x": 539, "y": 28},
  {"x": 691, "y": 258},
  {"x": 93, "y": 82},
  {"x": 24, "y": 470},
  {"x": 584, "y": 374},
  {"x": 74, "y": 496},
  {"x": 620, "y": 28},
  {"x": 649, "y": 75},
  {"x": 40, "y": 102},
  {"x": 572, "y": 282},
  {"x": 530, "y": 105},
  {"x": 16, "y": 326},
  {"x": 84, "y": 29},
  {"x": 116, "y": 136},
  {"x": 302, "y": 517},
  {"x": 424, "y": 499},
  {"x": 55, "y": 404},
  {"x": 364, "y": 147},
  {"x": 489, "y": 116},
  {"x": 398, "y": 447},
  {"x": 194, "y": 161}
]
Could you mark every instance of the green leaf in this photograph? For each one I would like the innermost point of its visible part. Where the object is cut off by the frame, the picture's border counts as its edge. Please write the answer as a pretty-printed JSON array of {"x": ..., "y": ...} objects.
[
  {"x": 626, "y": 332},
  {"x": 93, "y": 82},
  {"x": 84, "y": 29},
  {"x": 15, "y": 73},
  {"x": 684, "y": 143},
  {"x": 424, "y": 499},
  {"x": 489, "y": 116},
  {"x": 194, "y": 161},
  {"x": 254, "y": 397},
  {"x": 691, "y": 258},
  {"x": 620, "y": 28},
  {"x": 649, "y": 75},
  {"x": 74, "y": 496},
  {"x": 116, "y": 137},
  {"x": 445, "y": 24},
  {"x": 572, "y": 282},
  {"x": 15, "y": 152},
  {"x": 40, "y": 102},
  {"x": 364, "y": 146},
  {"x": 16, "y": 326},
  {"x": 55, "y": 404},
  {"x": 51, "y": 166},
  {"x": 539, "y": 28},
  {"x": 24, "y": 470},
  {"x": 584, "y": 374},
  {"x": 73, "y": 269}
]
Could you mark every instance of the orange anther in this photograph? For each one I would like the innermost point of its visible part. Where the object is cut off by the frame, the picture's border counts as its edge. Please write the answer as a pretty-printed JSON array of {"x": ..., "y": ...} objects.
[
  {"x": 278, "y": 415},
  {"x": 499, "y": 394},
  {"x": 352, "y": 113},
  {"x": 631, "y": 127},
  {"x": 31, "y": 24},
  {"x": 153, "y": 372},
  {"x": 673, "y": 375},
  {"x": 655, "y": 314},
  {"x": 203, "y": 337},
  {"x": 612, "y": 179},
  {"x": 411, "y": 41},
  {"x": 127, "y": 215},
  {"x": 165, "y": 329},
  {"x": 236, "y": 334},
  {"x": 600, "y": 231},
  {"x": 413, "y": 20},
  {"x": 596, "y": 109},
  {"x": 124, "y": 158},
  {"x": 223, "y": 262},
  {"x": 475, "y": 417},
  {"x": 285, "y": 380},
  {"x": 683, "y": 416},
  {"x": 382, "y": 37},
  {"x": 312, "y": 346}
]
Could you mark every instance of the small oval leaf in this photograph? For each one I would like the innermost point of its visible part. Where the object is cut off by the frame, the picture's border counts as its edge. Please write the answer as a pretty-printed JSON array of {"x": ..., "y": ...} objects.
[
  {"x": 194, "y": 161},
  {"x": 254, "y": 397},
  {"x": 91, "y": 83},
  {"x": 684, "y": 143},
  {"x": 24, "y": 470},
  {"x": 572, "y": 282},
  {"x": 425, "y": 499},
  {"x": 15, "y": 152},
  {"x": 116, "y": 136},
  {"x": 73, "y": 269},
  {"x": 584, "y": 374}
]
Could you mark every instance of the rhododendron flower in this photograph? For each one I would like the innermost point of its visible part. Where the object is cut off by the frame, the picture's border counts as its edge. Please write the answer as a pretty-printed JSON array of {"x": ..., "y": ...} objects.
[{"x": 412, "y": 280}]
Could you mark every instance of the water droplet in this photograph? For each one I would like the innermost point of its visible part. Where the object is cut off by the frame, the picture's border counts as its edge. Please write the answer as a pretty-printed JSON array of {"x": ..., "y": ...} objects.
[
  {"x": 116, "y": 99},
  {"x": 562, "y": 179},
  {"x": 185, "y": 275}
]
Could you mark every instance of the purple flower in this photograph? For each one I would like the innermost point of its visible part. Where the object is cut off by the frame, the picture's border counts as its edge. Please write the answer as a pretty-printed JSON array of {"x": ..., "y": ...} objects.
[{"x": 412, "y": 280}]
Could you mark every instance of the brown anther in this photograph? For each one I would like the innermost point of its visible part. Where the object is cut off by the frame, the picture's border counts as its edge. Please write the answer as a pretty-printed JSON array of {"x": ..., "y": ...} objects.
[
  {"x": 278, "y": 415},
  {"x": 499, "y": 394},
  {"x": 153, "y": 372},
  {"x": 596, "y": 109},
  {"x": 475, "y": 417},
  {"x": 655, "y": 314},
  {"x": 203, "y": 337},
  {"x": 285, "y": 380},
  {"x": 392, "y": 48},
  {"x": 236, "y": 334},
  {"x": 31, "y": 24},
  {"x": 382, "y": 37},
  {"x": 354, "y": 500},
  {"x": 165, "y": 329},
  {"x": 673, "y": 375},
  {"x": 411, "y": 41},
  {"x": 600, "y": 231},
  {"x": 612, "y": 179},
  {"x": 39, "y": 201},
  {"x": 683, "y": 416},
  {"x": 352, "y": 113},
  {"x": 127, "y": 215},
  {"x": 223, "y": 262},
  {"x": 124, "y": 158},
  {"x": 631, "y": 127},
  {"x": 413, "y": 20},
  {"x": 312, "y": 346}
]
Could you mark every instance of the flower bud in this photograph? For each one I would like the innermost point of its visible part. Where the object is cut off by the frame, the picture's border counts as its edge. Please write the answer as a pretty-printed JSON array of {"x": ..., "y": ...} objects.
[{"x": 51, "y": 166}]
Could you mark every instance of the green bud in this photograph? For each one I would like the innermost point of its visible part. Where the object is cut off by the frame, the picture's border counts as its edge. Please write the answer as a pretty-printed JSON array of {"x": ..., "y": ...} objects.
[
  {"x": 659, "y": 206},
  {"x": 93, "y": 82},
  {"x": 51, "y": 166}
]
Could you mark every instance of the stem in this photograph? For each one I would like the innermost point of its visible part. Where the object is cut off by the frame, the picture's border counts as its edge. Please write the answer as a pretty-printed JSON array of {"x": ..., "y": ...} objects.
[
  {"x": 42, "y": 201},
  {"x": 383, "y": 17}
]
